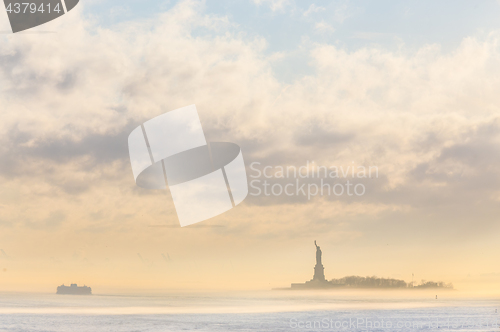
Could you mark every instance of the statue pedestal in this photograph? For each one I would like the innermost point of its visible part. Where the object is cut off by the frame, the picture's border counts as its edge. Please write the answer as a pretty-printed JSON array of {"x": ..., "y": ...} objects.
[{"x": 319, "y": 272}]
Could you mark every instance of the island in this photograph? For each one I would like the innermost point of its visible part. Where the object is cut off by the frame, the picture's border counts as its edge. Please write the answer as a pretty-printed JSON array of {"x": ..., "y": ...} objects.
[{"x": 320, "y": 282}]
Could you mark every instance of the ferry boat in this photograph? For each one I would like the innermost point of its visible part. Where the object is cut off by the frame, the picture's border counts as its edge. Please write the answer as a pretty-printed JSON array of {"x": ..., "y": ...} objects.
[{"x": 74, "y": 290}]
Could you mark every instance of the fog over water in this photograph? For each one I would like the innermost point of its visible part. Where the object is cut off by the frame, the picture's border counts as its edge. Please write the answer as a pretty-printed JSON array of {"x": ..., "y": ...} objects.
[{"x": 248, "y": 311}]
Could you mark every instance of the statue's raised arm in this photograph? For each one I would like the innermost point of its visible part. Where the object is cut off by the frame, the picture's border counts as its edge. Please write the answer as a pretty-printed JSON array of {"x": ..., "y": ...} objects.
[{"x": 315, "y": 244}]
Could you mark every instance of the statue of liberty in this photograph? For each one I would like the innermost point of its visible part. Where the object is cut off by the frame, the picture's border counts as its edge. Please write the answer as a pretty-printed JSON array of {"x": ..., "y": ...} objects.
[
  {"x": 319, "y": 270},
  {"x": 318, "y": 254},
  {"x": 318, "y": 281}
]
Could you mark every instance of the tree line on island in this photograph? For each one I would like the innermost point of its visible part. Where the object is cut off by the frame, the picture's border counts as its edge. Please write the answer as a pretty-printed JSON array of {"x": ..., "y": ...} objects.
[{"x": 375, "y": 282}]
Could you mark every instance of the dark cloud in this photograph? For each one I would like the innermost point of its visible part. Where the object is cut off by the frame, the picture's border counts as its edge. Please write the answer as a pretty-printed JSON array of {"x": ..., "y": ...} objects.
[
  {"x": 68, "y": 81},
  {"x": 468, "y": 166},
  {"x": 316, "y": 136},
  {"x": 478, "y": 153},
  {"x": 103, "y": 148},
  {"x": 20, "y": 158},
  {"x": 23, "y": 80},
  {"x": 26, "y": 81}
]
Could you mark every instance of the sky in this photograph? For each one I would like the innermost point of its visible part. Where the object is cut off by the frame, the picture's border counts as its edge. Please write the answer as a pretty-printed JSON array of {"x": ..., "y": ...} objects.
[{"x": 410, "y": 88}]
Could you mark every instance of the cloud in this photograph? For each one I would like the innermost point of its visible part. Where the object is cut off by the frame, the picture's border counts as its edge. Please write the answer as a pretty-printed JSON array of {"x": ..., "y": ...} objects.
[
  {"x": 274, "y": 5},
  {"x": 342, "y": 12},
  {"x": 314, "y": 9},
  {"x": 323, "y": 27},
  {"x": 423, "y": 117}
]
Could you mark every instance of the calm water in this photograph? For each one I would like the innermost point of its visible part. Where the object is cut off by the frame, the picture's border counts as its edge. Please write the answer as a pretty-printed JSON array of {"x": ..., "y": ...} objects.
[{"x": 252, "y": 311}]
